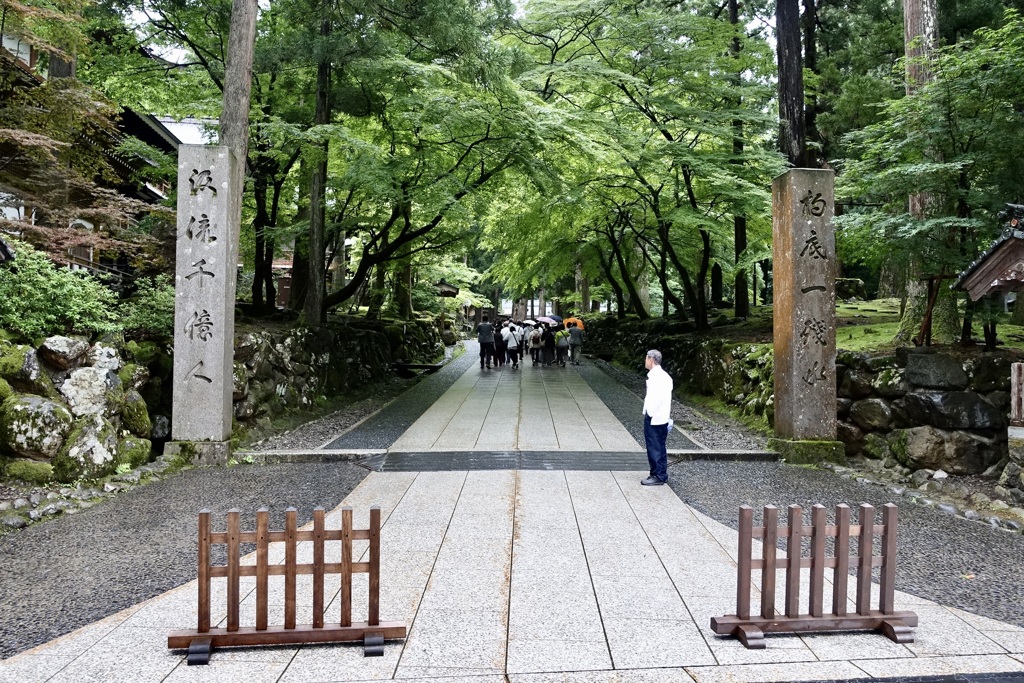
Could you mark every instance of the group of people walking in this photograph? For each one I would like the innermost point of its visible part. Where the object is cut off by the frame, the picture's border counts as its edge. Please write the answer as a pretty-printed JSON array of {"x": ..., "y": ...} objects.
[{"x": 509, "y": 342}]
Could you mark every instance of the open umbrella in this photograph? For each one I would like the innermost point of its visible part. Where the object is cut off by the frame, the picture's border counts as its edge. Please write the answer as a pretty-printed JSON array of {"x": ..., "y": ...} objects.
[
  {"x": 545, "y": 319},
  {"x": 529, "y": 322},
  {"x": 557, "y": 318},
  {"x": 579, "y": 323}
]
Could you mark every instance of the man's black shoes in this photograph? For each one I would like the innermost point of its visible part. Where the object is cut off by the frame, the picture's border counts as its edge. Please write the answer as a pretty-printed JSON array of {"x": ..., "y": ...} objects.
[{"x": 653, "y": 481}]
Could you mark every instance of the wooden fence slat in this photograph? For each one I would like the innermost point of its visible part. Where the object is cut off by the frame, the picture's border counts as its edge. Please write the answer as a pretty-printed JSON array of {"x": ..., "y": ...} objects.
[
  {"x": 373, "y": 618},
  {"x": 793, "y": 553},
  {"x": 318, "y": 567},
  {"x": 262, "y": 563},
  {"x": 887, "y": 600},
  {"x": 768, "y": 554},
  {"x": 345, "y": 599},
  {"x": 817, "y": 586},
  {"x": 204, "y": 571},
  {"x": 290, "y": 551},
  {"x": 841, "y": 575},
  {"x": 865, "y": 551},
  {"x": 744, "y": 559},
  {"x": 233, "y": 562}
]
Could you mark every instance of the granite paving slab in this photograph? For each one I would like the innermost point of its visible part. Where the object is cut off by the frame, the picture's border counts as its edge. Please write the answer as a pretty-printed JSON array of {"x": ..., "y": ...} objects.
[{"x": 538, "y": 576}]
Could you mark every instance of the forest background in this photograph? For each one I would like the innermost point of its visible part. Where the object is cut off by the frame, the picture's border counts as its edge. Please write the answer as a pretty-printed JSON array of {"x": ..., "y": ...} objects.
[{"x": 583, "y": 150}]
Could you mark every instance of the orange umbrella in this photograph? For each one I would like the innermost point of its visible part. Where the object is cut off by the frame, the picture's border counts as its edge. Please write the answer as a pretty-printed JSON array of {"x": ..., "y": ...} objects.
[{"x": 579, "y": 323}]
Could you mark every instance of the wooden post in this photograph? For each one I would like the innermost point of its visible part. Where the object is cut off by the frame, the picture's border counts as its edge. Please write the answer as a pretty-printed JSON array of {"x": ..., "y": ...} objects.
[
  {"x": 345, "y": 599},
  {"x": 817, "y": 587},
  {"x": 865, "y": 550},
  {"x": 233, "y": 565},
  {"x": 842, "y": 554},
  {"x": 289, "y": 564},
  {"x": 204, "y": 571},
  {"x": 1017, "y": 395},
  {"x": 793, "y": 553},
  {"x": 262, "y": 566},
  {"x": 373, "y": 618},
  {"x": 743, "y": 573},
  {"x": 318, "y": 567},
  {"x": 768, "y": 553},
  {"x": 887, "y": 584}
]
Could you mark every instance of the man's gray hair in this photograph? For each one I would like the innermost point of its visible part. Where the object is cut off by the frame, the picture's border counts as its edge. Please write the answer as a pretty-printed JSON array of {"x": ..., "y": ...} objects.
[{"x": 655, "y": 355}]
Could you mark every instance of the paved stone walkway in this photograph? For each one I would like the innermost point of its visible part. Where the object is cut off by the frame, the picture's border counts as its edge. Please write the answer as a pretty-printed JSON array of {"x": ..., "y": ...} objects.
[
  {"x": 528, "y": 576},
  {"x": 526, "y": 409}
]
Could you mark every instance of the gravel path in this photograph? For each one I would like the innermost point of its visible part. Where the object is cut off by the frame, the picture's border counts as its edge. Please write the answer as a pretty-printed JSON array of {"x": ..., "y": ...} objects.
[
  {"x": 384, "y": 428},
  {"x": 73, "y": 570}
]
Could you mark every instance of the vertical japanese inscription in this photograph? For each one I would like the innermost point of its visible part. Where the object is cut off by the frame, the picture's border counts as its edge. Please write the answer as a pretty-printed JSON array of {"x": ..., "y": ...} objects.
[
  {"x": 204, "y": 324},
  {"x": 804, "y": 264}
]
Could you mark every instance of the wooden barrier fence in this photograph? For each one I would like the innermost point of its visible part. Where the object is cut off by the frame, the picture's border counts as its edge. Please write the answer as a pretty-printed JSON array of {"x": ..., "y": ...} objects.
[
  {"x": 372, "y": 632},
  {"x": 751, "y": 629}
]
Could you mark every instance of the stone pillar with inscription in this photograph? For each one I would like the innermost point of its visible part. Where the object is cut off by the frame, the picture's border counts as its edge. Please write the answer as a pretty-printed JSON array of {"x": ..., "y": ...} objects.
[
  {"x": 204, "y": 312},
  {"x": 804, "y": 267}
]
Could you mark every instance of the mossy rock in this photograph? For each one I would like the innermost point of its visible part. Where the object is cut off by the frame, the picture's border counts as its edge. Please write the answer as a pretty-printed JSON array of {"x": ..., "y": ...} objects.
[
  {"x": 89, "y": 452},
  {"x": 33, "y": 427},
  {"x": 133, "y": 376},
  {"x": 898, "y": 447},
  {"x": 134, "y": 451},
  {"x": 30, "y": 471},
  {"x": 5, "y": 390},
  {"x": 135, "y": 415},
  {"x": 876, "y": 446}
]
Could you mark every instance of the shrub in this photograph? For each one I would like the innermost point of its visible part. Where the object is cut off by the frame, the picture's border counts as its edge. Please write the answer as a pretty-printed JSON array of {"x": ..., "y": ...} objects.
[
  {"x": 39, "y": 298},
  {"x": 149, "y": 314}
]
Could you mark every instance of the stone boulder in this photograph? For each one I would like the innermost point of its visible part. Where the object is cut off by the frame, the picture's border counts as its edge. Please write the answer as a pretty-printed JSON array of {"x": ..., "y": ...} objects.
[
  {"x": 134, "y": 451},
  {"x": 952, "y": 451},
  {"x": 133, "y": 377},
  {"x": 89, "y": 452},
  {"x": 890, "y": 383},
  {"x": 33, "y": 427},
  {"x": 851, "y": 436},
  {"x": 935, "y": 371},
  {"x": 135, "y": 416},
  {"x": 63, "y": 353},
  {"x": 161, "y": 427},
  {"x": 990, "y": 373},
  {"x": 105, "y": 356},
  {"x": 19, "y": 366},
  {"x": 855, "y": 385},
  {"x": 91, "y": 391},
  {"x": 953, "y": 410},
  {"x": 872, "y": 415}
]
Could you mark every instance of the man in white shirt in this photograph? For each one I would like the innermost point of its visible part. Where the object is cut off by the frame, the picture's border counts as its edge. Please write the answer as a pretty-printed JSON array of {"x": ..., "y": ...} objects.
[{"x": 657, "y": 410}]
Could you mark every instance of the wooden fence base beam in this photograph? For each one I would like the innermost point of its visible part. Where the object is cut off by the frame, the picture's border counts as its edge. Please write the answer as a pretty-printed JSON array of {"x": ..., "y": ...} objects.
[
  {"x": 895, "y": 626},
  {"x": 278, "y": 635}
]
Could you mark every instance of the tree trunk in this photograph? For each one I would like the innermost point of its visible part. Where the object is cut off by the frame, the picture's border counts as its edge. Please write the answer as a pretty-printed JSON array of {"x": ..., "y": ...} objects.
[
  {"x": 315, "y": 293},
  {"x": 234, "y": 117},
  {"x": 792, "y": 137},
  {"x": 920, "y": 32},
  {"x": 403, "y": 290},
  {"x": 810, "y": 25}
]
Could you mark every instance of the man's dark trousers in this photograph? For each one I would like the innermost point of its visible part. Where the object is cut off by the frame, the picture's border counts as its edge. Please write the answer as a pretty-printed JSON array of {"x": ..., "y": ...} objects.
[
  {"x": 654, "y": 438},
  {"x": 486, "y": 352}
]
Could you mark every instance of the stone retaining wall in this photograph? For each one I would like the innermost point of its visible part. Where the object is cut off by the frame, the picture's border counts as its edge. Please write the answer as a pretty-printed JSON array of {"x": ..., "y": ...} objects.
[
  {"x": 72, "y": 410},
  {"x": 917, "y": 409}
]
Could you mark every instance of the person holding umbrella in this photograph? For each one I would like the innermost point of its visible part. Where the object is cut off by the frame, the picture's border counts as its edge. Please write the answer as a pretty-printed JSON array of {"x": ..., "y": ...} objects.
[{"x": 575, "y": 342}]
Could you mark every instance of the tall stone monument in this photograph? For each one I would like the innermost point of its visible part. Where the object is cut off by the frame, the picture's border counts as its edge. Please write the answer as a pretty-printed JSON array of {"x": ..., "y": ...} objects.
[
  {"x": 804, "y": 266},
  {"x": 204, "y": 313}
]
